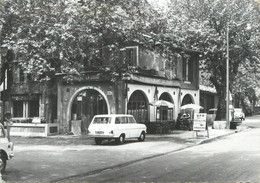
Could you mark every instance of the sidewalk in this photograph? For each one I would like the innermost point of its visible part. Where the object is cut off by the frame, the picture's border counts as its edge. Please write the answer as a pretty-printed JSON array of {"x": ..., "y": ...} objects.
[{"x": 177, "y": 136}]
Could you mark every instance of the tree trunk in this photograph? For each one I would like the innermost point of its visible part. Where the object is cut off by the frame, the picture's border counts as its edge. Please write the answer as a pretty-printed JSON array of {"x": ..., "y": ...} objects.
[{"x": 220, "y": 87}]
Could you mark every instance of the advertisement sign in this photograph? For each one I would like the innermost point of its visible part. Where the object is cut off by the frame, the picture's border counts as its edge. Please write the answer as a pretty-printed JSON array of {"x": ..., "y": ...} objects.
[{"x": 199, "y": 123}]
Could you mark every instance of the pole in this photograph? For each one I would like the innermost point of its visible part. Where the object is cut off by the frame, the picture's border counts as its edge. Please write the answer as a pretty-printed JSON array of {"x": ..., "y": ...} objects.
[{"x": 227, "y": 81}]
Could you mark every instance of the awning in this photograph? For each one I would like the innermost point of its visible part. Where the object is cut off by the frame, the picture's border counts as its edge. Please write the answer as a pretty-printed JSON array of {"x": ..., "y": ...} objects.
[{"x": 159, "y": 103}]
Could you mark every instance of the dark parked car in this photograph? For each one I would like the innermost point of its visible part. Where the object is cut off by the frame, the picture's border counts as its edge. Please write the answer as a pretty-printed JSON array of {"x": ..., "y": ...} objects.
[{"x": 184, "y": 120}]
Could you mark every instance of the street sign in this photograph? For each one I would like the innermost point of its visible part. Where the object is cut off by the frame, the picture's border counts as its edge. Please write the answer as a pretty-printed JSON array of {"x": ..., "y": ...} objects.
[{"x": 199, "y": 122}]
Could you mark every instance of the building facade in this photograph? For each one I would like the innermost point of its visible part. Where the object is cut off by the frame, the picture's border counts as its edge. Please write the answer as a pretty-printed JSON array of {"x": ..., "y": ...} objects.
[{"x": 146, "y": 77}]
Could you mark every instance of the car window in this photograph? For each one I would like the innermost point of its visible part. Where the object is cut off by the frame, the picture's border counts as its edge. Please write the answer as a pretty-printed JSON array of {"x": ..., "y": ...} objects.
[
  {"x": 2, "y": 135},
  {"x": 131, "y": 120},
  {"x": 102, "y": 120},
  {"x": 121, "y": 120}
]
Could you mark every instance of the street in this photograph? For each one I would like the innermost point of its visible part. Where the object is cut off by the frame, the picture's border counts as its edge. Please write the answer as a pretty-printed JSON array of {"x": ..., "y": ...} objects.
[{"x": 235, "y": 157}]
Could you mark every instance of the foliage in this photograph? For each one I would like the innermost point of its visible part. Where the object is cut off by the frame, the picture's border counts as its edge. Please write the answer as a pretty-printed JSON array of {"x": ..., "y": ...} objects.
[
  {"x": 202, "y": 25},
  {"x": 65, "y": 36},
  {"x": 68, "y": 37}
]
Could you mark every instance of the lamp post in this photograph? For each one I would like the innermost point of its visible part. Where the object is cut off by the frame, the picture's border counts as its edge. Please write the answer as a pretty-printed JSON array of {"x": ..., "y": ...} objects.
[{"x": 227, "y": 80}]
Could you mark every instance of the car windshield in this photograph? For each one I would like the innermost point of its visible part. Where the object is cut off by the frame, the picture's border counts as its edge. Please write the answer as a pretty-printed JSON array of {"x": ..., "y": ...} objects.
[{"x": 102, "y": 120}]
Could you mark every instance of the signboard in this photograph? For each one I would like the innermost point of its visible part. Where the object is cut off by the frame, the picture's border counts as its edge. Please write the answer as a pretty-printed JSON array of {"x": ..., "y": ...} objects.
[{"x": 199, "y": 122}]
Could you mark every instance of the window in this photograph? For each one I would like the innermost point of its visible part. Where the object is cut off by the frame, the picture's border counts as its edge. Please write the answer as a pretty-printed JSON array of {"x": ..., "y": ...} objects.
[
  {"x": 131, "y": 120},
  {"x": 132, "y": 56},
  {"x": 21, "y": 75},
  {"x": 33, "y": 108},
  {"x": 121, "y": 120},
  {"x": 25, "y": 109},
  {"x": 102, "y": 120},
  {"x": 18, "y": 108},
  {"x": 187, "y": 70}
]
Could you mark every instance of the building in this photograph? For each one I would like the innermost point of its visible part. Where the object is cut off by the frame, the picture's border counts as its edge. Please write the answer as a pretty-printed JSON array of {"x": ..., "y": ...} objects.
[
  {"x": 144, "y": 77},
  {"x": 208, "y": 98}
]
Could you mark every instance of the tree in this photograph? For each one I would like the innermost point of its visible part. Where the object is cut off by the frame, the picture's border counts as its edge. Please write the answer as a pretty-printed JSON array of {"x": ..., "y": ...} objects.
[
  {"x": 61, "y": 36},
  {"x": 202, "y": 25}
]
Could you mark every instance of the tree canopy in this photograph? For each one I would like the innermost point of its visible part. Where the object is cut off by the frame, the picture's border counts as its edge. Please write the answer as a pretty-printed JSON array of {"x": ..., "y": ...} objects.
[
  {"x": 203, "y": 27},
  {"x": 66, "y": 36}
]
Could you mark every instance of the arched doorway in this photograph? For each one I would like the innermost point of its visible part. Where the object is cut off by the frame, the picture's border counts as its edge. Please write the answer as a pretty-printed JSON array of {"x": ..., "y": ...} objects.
[
  {"x": 166, "y": 113},
  {"x": 187, "y": 99},
  {"x": 86, "y": 104},
  {"x": 138, "y": 106}
]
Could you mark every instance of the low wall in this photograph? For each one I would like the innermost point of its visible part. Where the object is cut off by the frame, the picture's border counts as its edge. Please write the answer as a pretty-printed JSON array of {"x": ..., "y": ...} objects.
[
  {"x": 34, "y": 129},
  {"x": 219, "y": 124}
]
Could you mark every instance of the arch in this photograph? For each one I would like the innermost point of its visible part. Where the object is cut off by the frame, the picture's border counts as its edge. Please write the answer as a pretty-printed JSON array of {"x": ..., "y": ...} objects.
[
  {"x": 80, "y": 92},
  {"x": 138, "y": 106},
  {"x": 166, "y": 96},
  {"x": 187, "y": 99},
  {"x": 167, "y": 113}
]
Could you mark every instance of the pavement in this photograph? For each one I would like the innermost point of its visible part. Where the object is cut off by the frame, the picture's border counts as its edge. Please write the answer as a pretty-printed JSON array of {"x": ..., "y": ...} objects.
[{"x": 175, "y": 136}]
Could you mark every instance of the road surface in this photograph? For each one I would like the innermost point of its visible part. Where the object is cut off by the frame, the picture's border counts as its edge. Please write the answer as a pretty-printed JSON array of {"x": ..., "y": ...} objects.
[{"x": 233, "y": 158}]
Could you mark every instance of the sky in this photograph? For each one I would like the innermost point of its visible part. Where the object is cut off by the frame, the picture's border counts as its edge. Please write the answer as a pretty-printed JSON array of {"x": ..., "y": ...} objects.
[{"x": 160, "y": 4}]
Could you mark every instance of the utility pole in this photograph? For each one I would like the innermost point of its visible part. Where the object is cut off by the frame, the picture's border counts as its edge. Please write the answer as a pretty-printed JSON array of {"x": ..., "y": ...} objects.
[
  {"x": 1, "y": 102},
  {"x": 227, "y": 80}
]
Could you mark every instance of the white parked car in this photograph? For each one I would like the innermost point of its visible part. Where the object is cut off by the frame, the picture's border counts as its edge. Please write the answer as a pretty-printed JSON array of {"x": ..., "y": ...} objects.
[
  {"x": 116, "y": 126},
  {"x": 6, "y": 148},
  {"x": 238, "y": 113}
]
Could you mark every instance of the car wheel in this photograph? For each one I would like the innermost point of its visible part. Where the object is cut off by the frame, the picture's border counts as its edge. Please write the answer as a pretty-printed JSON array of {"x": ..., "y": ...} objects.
[
  {"x": 2, "y": 162},
  {"x": 141, "y": 138},
  {"x": 121, "y": 139},
  {"x": 98, "y": 141}
]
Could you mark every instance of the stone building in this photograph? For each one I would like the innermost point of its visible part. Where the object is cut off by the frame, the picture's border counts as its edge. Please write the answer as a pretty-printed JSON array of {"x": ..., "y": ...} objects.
[{"x": 144, "y": 78}]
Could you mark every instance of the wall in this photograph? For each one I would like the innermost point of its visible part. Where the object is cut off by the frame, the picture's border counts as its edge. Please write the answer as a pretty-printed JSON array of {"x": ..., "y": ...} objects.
[{"x": 165, "y": 68}]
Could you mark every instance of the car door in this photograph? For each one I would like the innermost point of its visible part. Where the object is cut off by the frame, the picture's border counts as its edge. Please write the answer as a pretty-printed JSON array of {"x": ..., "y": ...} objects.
[
  {"x": 121, "y": 126},
  {"x": 135, "y": 129}
]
